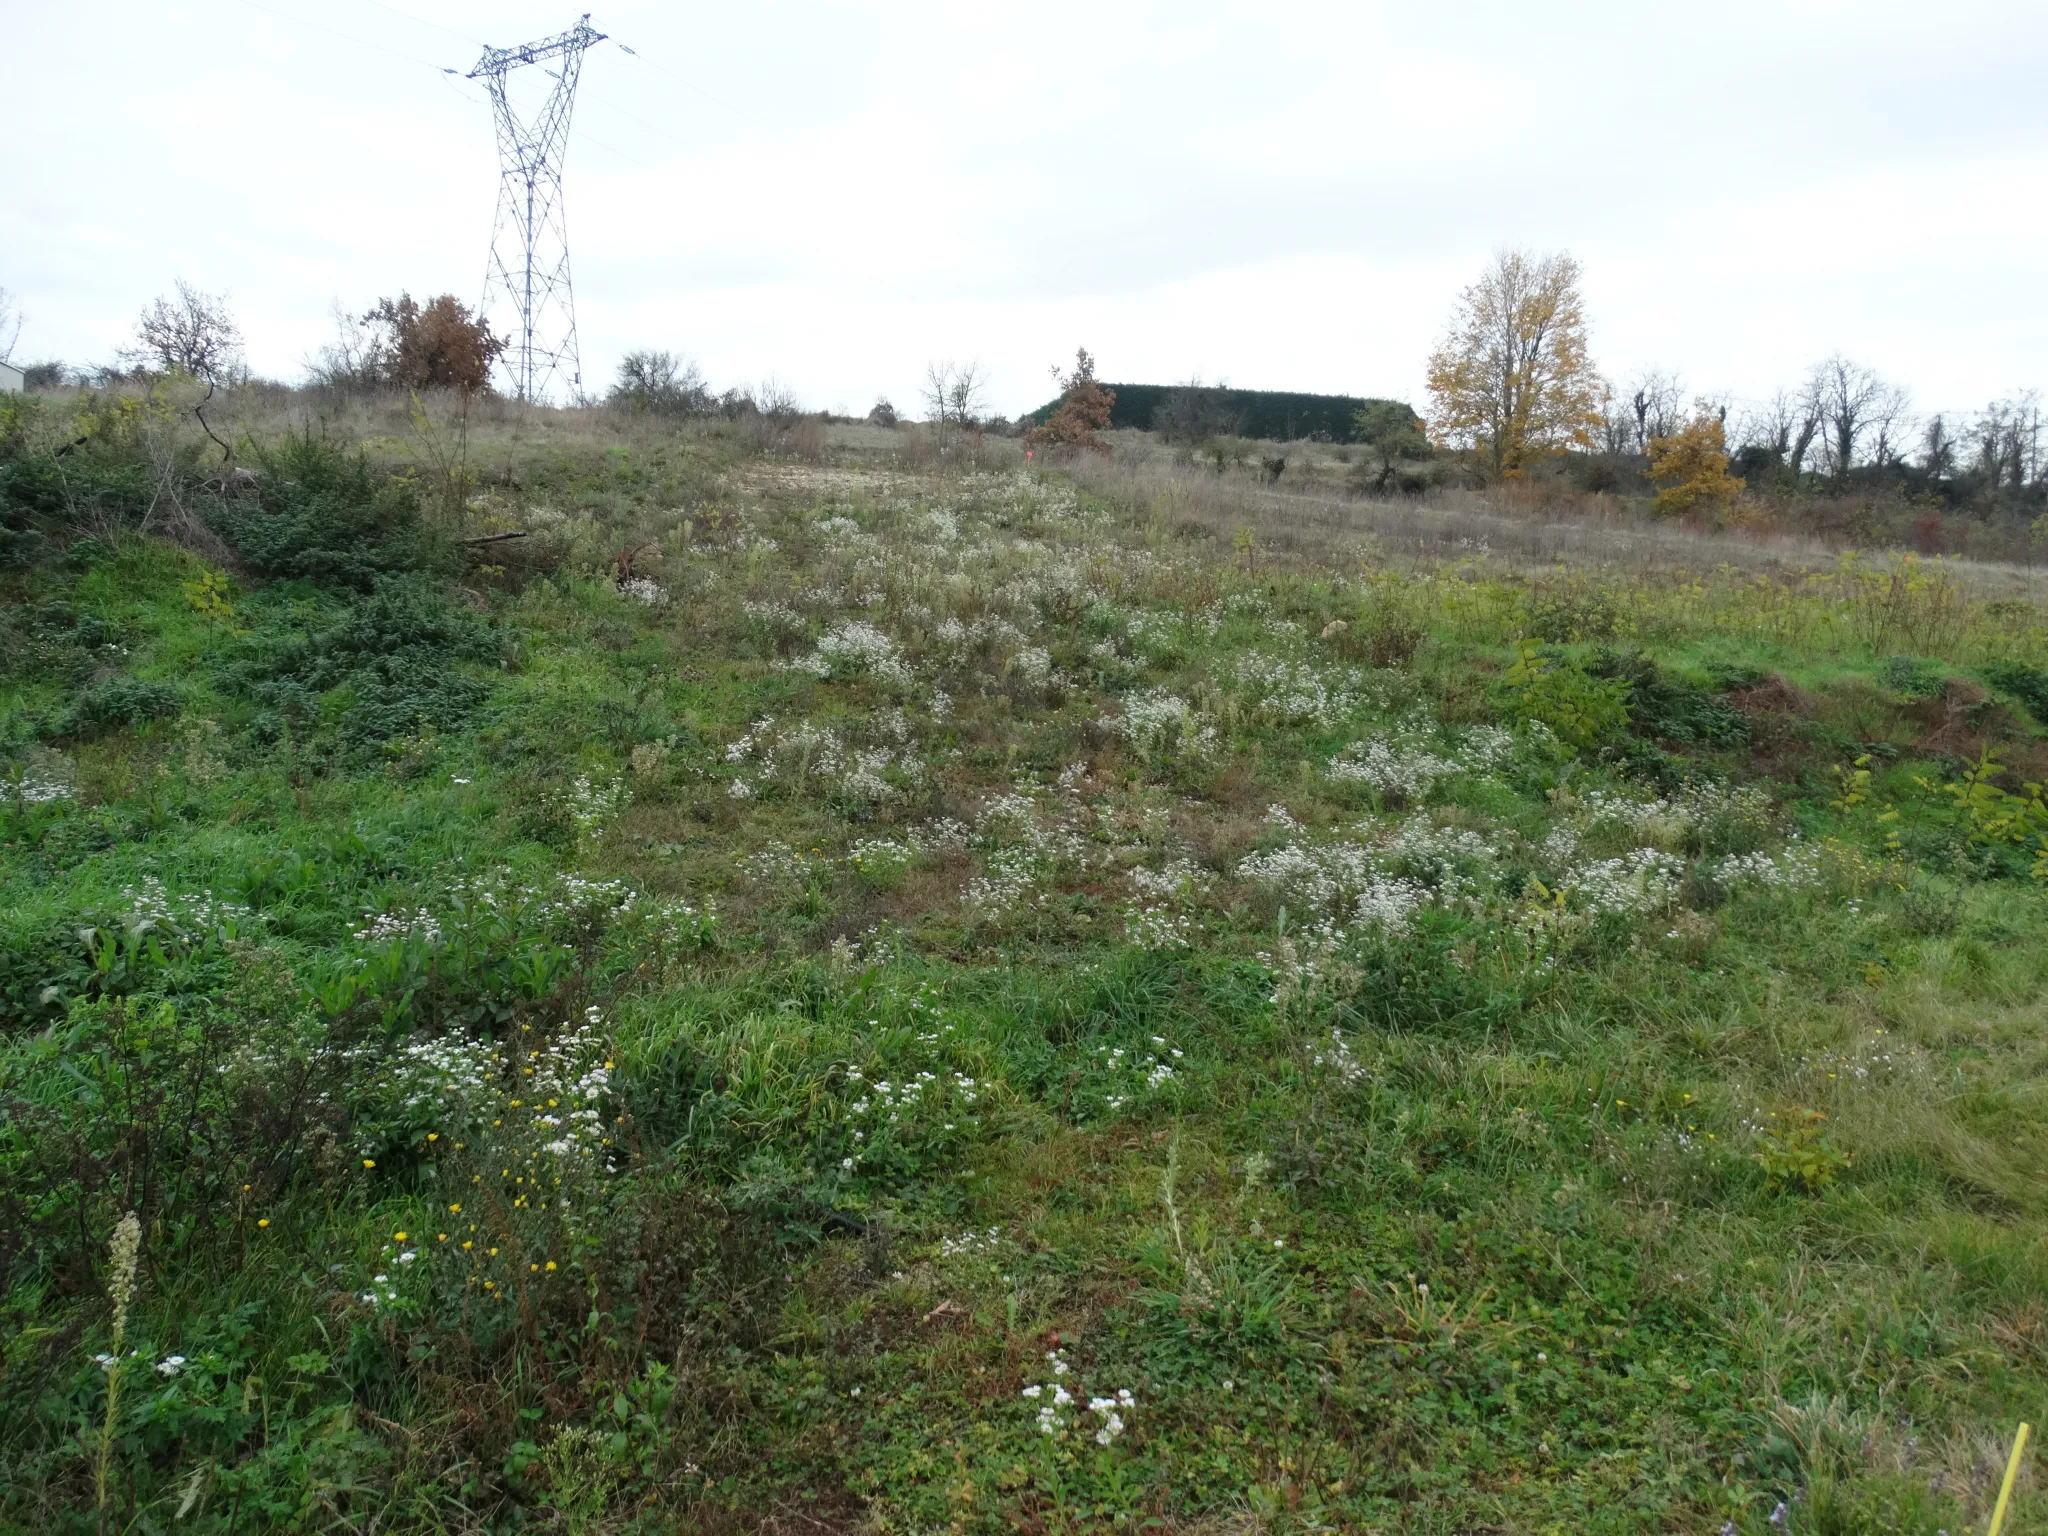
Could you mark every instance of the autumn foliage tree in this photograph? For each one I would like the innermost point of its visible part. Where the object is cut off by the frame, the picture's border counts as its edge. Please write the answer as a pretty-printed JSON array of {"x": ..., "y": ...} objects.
[
  {"x": 438, "y": 345},
  {"x": 1694, "y": 462},
  {"x": 1512, "y": 377},
  {"x": 1082, "y": 412}
]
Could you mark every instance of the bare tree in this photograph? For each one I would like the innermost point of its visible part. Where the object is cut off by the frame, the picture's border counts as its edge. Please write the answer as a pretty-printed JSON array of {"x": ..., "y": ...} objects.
[
  {"x": 11, "y": 318},
  {"x": 1617, "y": 432},
  {"x": 1850, "y": 401},
  {"x": 970, "y": 394},
  {"x": 777, "y": 401},
  {"x": 1777, "y": 432},
  {"x": 1657, "y": 404},
  {"x": 955, "y": 394},
  {"x": 1763, "y": 430},
  {"x": 2008, "y": 439},
  {"x": 1808, "y": 412},
  {"x": 1194, "y": 412},
  {"x": 1891, "y": 424},
  {"x": 938, "y": 380},
  {"x": 193, "y": 333},
  {"x": 1937, "y": 448},
  {"x": 356, "y": 361},
  {"x": 663, "y": 384}
]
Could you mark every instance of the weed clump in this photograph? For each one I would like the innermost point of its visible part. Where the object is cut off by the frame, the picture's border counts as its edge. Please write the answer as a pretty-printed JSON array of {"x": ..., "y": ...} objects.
[{"x": 1798, "y": 1154}]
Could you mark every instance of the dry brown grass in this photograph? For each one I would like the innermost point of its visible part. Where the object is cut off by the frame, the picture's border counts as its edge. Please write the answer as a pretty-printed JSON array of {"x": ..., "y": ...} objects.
[
  {"x": 394, "y": 424},
  {"x": 1515, "y": 527}
]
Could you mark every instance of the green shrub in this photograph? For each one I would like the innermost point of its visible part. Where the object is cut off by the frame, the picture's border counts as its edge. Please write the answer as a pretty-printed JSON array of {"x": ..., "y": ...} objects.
[
  {"x": 1666, "y": 709},
  {"x": 1559, "y": 694},
  {"x": 2027, "y": 684},
  {"x": 54, "y": 642},
  {"x": 119, "y": 703},
  {"x": 1914, "y": 678},
  {"x": 101, "y": 479},
  {"x": 1730, "y": 676},
  {"x": 397, "y": 653},
  {"x": 323, "y": 515},
  {"x": 1561, "y": 617}
]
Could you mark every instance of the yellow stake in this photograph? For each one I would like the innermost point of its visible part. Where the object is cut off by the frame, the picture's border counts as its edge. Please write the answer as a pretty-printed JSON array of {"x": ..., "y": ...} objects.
[{"x": 2012, "y": 1468}]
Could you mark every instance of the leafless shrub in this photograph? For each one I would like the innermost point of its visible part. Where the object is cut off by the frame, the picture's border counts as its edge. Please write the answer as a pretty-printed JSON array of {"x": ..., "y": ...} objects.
[
  {"x": 661, "y": 383},
  {"x": 11, "y": 319},
  {"x": 955, "y": 394},
  {"x": 193, "y": 333}
]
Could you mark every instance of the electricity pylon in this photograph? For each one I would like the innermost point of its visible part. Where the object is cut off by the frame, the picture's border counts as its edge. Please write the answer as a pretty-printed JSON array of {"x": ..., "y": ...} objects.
[{"x": 529, "y": 262}]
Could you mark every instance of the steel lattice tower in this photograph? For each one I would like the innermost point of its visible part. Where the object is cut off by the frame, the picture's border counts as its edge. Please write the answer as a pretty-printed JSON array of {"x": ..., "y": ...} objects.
[{"x": 529, "y": 262}]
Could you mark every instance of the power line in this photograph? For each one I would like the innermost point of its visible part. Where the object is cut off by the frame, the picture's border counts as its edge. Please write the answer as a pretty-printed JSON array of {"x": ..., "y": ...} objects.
[
  {"x": 682, "y": 80},
  {"x": 346, "y": 37},
  {"x": 603, "y": 101},
  {"x": 625, "y": 48},
  {"x": 474, "y": 42},
  {"x": 449, "y": 75}
]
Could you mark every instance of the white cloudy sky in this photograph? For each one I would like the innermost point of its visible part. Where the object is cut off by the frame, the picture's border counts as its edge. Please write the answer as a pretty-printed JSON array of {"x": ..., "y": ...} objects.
[{"x": 1277, "y": 195}]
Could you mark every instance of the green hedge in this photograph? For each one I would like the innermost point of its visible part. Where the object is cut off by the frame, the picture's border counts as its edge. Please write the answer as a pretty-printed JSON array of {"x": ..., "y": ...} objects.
[{"x": 1279, "y": 415}]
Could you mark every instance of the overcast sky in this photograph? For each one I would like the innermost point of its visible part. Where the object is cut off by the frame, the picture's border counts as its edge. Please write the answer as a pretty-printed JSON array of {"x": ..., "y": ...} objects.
[{"x": 1276, "y": 196}]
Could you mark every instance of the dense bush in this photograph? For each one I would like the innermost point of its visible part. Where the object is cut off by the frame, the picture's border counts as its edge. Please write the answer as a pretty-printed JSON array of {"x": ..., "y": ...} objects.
[
  {"x": 663, "y": 384},
  {"x": 99, "y": 474},
  {"x": 323, "y": 514},
  {"x": 1911, "y": 676},
  {"x": 1665, "y": 708},
  {"x": 118, "y": 702},
  {"x": 396, "y": 653},
  {"x": 2027, "y": 684},
  {"x": 54, "y": 640}
]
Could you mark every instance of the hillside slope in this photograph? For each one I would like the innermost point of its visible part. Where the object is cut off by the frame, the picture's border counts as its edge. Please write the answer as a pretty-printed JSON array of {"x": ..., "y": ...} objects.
[{"x": 810, "y": 996}]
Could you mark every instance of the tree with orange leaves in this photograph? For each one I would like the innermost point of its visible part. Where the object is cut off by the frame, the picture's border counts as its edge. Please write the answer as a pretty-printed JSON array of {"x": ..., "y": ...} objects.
[
  {"x": 1082, "y": 412},
  {"x": 1695, "y": 460},
  {"x": 436, "y": 345}
]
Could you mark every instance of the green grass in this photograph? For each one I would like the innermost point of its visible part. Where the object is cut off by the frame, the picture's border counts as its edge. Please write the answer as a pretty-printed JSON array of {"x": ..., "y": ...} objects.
[{"x": 999, "y": 944}]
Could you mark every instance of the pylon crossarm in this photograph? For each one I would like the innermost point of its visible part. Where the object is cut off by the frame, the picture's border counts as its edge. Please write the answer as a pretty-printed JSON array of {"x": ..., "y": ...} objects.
[{"x": 496, "y": 61}]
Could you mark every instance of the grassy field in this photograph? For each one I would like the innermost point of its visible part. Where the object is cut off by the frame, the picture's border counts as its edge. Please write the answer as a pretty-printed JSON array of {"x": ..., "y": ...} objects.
[{"x": 847, "y": 983}]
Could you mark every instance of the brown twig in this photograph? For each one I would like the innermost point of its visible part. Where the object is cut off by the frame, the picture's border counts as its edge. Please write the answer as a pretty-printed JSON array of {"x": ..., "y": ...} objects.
[{"x": 227, "y": 454}]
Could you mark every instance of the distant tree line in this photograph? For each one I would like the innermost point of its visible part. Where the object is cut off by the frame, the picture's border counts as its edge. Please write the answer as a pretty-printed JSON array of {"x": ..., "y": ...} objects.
[{"x": 1512, "y": 384}]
